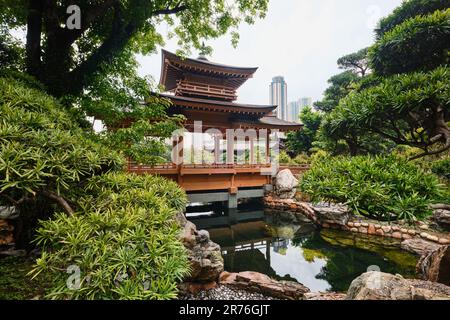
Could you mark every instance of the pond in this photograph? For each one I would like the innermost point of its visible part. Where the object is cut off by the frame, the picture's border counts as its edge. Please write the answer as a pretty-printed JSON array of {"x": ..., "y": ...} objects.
[{"x": 271, "y": 243}]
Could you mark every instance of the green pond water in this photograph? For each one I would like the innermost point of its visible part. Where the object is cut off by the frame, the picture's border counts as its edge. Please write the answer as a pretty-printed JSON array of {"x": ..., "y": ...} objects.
[{"x": 270, "y": 243}]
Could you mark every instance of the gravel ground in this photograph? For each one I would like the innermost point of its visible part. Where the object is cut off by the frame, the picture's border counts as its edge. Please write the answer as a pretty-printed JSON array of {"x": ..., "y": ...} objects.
[{"x": 223, "y": 292}]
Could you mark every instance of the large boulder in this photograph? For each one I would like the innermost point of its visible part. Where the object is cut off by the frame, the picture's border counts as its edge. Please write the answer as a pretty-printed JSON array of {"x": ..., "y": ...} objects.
[
  {"x": 331, "y": 213},
  {"x": 286, "y": 184},
  {"x": 419, "y": 246},
  {"x": 205, "y": 256},
  {"x": 376, "y": 285},
  {"x": 261, "y": 283},
  {"x": 8, "y": 212},
  {"x": 441, "y": 215}
]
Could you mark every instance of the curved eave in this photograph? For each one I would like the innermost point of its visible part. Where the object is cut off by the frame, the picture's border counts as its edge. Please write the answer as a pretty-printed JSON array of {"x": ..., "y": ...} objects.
[
  {"x": 273, "y": 123},
  {"x": 217, "y": 105},
  {"x": 173, "y": 66}
]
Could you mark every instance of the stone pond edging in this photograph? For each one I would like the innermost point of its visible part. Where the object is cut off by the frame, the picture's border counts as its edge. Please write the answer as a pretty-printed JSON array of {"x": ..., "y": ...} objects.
[
  {"x": 336, "y": 217},
  {"x": 432, "y": 247}
]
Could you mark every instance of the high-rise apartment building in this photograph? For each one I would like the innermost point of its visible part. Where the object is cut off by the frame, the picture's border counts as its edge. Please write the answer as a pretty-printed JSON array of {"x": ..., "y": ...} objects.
[
  {"x": 295, "y": 107},
  {"x": 278, "y": 96}
]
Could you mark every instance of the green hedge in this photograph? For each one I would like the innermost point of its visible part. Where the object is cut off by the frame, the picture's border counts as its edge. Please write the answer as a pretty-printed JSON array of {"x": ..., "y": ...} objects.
[{"x": 381, "y": 187}]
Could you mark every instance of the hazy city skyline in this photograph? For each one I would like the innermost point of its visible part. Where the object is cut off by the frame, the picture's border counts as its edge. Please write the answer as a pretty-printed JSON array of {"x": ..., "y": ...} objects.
[{"x": 299, "y": 39}]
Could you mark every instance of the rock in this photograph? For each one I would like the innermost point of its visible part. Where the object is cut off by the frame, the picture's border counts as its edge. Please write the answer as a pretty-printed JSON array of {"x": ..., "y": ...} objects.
[
  {"x": 435, "y": 265},
  {"x": 286, "y": 184},
  {"x": 386, "y": 229},
  {"x": 354, "y": 230},
  {"x": 419, "y": 246},
  {"x": 362, "y": 230},
  {"x": 8, "y": 212},
  {"x": 261, "y": 283},
  {"x": 202, "y": 236},
  {"x": 376, "y": 285},
  {"x": 442, "y": 218},
  {"x": 380, "y": 232},
  {"x": 325, "y": 296},
  {"x": 332, "y": 213},
  {"x": 13, "y": 253},
  {"x": 205, "y": 257},
  {"x": 397, "y": 235},
  {"x": 371, "y": 229},
  {"x": 432, "y": 238},
  {"x": 424, "y": 235}
]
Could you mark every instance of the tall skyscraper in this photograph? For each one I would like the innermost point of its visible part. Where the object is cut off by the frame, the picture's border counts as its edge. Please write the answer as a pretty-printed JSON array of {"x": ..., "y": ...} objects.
[
  {"x": 295, "y": 107},
  {"x": 278, "y": 96}
]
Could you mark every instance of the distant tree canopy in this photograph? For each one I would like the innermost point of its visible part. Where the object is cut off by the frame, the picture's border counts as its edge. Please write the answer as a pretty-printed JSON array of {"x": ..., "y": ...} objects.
[
  {"x": 340, "y": 85},
  {"x": 405, "y": 100},
  {"x": 301, "y": 141},
  {"x": 356, "y": 62}
]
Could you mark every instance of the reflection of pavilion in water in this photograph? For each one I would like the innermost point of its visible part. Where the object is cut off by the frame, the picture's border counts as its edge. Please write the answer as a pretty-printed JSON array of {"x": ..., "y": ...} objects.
[{"x": 246, "y": 239}]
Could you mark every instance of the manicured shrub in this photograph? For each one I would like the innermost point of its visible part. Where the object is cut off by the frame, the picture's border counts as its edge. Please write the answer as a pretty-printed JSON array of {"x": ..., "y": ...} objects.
[
  {"x": 441, "y": 168},
  {"x": 381, "y": 187},
  {"x": 117, "y": 229},
  {"x": 284, "y": 158},
  {"x": 123, "y": 240}
]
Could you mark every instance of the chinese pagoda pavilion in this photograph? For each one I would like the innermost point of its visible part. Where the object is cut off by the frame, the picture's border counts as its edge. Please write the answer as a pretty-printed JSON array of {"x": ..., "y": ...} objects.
[{"x": 205, "y": 92}]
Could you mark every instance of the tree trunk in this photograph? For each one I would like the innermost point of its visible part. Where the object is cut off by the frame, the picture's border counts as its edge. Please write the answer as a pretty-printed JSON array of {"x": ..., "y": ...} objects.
[{"x": 34, "y": 31}]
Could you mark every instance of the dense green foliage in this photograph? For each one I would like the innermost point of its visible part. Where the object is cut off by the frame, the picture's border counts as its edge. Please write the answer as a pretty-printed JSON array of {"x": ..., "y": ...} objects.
[
  {"x": 442, "y": 168},
  {"x": 400, "y": 108},
  {"x": 406, "y": 99},
  {"x": 424, "y": 40},
  {"x": 409, "y": 9},
  {"x": 301, "y": 141},
  {"x": 381, "y": 187},
  {"x": 68, "y": 60},
  {"x": 340, "y": 85},
  {"x": 124, "y": 240},
  {"x": 42, "y": 146},
  {"x": 112, "y": 224},
  {"x": 44, "y": 155}
]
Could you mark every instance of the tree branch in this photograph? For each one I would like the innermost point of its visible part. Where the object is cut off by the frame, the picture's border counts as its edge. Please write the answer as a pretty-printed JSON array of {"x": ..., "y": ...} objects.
[
  {"x": 60, "y": 200},
  {"x": 429, "y": 153}
]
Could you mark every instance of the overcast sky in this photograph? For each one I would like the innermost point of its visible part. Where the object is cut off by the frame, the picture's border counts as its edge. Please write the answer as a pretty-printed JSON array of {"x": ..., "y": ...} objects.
[{"x": 299, "y": 39}]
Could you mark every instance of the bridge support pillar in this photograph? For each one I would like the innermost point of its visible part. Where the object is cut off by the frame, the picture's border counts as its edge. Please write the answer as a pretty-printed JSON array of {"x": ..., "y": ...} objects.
[{"x": 232, "y": 201}]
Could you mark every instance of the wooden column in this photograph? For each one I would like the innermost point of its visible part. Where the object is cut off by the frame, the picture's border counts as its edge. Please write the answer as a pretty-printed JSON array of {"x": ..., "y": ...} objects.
[
  {"x": 181, "y": 149},
  {"x": 268, "y": 147},
  {"x": 177, "y": 150},
  {"x": 230, "y": 148},
  {"x": 217, "y": 148},
  {"x": 252, "y": 150}
]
